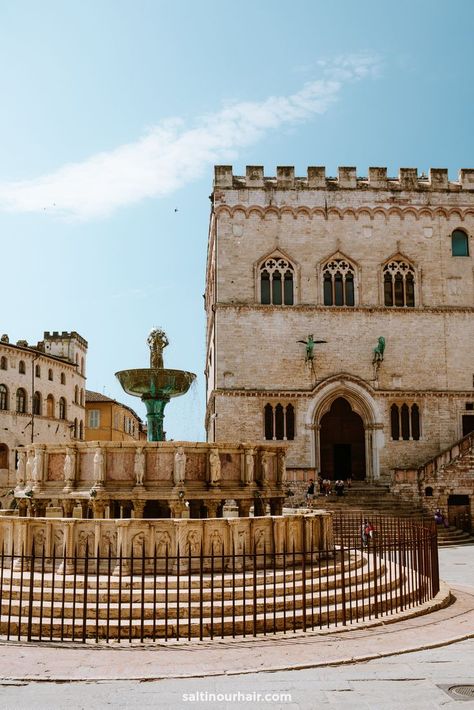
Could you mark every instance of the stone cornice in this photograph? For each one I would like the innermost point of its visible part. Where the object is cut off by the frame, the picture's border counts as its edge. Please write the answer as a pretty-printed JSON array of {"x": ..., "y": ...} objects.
[
  {"x": 395, "y": 394},
  {"x": 306, "y": 307},
  {"x": 398, "y": 211}
]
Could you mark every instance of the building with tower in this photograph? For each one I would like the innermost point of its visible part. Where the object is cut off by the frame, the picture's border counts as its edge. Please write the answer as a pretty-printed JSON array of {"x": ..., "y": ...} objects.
[
  {"x": 340, "y": 317},
  {"x": 42, "y": 395}
]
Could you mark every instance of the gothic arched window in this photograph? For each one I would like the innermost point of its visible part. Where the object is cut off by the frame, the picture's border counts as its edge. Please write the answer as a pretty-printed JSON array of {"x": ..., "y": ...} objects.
[
  {"x": 3, "y": 398},
  {"x": 21, "y": 400},
  {"x": 279, "y": 422},
  {"x": 3, "y": 456},
  {"x": 62, "y": 408},
  {"x": 399, "y": 284},
  {"x": 459, "y": 243},
  {"x": 21, "y": 367},
  {"x": 37, "y": 403},
  {"x": 338, "y": 278},
  {"x": 50, "y": 405},
  {"x": 3, "y": 363},
  {"x": 405, "y": 422},
  {"x": 277, "y": 282}
]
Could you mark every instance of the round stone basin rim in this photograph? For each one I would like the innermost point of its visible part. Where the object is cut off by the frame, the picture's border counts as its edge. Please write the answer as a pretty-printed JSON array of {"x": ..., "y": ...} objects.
[{"x": 156, "y": 382}]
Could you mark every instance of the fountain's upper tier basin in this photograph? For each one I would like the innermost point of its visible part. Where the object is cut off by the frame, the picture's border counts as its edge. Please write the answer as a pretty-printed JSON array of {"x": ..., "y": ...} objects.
[{"x": 160, "y": 383}]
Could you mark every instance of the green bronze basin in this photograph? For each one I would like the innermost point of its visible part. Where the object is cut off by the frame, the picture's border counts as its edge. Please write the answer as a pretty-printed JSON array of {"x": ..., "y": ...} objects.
[{"x": 154, "y": 383}]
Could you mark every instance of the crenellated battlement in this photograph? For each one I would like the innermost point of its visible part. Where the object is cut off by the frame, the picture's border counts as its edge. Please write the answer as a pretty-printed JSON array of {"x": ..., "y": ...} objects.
[{"x": 347, "y": 178}]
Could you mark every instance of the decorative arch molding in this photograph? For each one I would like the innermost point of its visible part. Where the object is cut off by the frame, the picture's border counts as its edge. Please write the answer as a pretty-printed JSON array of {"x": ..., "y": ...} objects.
[
  {"x": 360, "y": 397},
  {"x": 396, "y": 212}
]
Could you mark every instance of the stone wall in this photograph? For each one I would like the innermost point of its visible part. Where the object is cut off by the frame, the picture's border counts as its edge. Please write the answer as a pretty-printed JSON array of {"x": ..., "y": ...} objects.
[
  {"x": 160, "y": 537},
  {"x": 449, "y": 474},
  {"x": 56, "y": 367},
  {"x": 254, "y": 356}
]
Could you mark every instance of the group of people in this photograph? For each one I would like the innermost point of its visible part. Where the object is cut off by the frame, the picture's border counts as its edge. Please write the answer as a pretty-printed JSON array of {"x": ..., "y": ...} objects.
[{"x": 325, "y": 488}]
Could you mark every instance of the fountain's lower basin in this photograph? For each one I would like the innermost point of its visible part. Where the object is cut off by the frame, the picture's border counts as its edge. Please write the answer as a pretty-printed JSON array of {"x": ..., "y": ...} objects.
[{"x": 155, "y": 383}]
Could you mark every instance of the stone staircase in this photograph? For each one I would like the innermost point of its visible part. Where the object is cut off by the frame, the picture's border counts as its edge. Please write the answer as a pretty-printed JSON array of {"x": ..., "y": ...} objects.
[
  {"x": 366, "y": 500},
  {"x": 451, "y": 537},
  {"x": 325, "y": 590}
]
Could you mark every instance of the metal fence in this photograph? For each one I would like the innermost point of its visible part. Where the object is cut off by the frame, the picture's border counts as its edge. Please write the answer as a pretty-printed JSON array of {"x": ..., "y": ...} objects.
[{"x": 86, "y": 596}]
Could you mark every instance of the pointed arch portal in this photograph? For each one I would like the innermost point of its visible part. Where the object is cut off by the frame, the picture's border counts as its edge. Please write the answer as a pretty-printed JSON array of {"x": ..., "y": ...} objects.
[
  {"x": 348, "y": 441},
  {"x": 342, "y": 442}
]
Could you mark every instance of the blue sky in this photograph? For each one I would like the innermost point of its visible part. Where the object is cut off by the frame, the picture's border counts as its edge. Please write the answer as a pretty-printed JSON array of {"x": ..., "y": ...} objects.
[{"x": 113, "y": 113}]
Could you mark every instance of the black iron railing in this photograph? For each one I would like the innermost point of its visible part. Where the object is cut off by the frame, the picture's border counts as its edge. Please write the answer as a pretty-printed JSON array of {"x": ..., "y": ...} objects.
[{"x": 89, "y": 596}]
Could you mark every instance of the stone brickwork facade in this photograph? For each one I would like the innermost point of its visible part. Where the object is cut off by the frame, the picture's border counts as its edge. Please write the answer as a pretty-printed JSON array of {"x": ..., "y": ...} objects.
[
  {"x": 42, "y": 395},
  {"x": 446, "y": 482},
  {"x": 347, "y": 260}
]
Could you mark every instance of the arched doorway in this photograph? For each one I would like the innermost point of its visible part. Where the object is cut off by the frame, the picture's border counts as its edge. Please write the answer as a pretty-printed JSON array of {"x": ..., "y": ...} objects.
[{"x": 342, "y": 443}]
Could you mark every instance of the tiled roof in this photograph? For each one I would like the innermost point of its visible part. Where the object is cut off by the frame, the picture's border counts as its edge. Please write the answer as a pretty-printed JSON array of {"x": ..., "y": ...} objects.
[{"x": 98, "y": 397}]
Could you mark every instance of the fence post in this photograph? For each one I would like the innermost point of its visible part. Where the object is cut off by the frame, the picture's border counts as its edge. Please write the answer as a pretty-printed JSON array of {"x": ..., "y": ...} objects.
[{"x": 30, "y": 599}]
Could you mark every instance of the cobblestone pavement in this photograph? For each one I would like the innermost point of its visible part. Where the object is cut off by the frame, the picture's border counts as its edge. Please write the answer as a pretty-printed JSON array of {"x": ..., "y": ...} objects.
[{"x": 415, "y": 680}]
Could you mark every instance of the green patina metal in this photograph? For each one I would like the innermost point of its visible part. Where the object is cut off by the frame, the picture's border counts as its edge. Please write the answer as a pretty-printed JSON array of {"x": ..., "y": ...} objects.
[
  {"x": 310, "y": 342},
  {"x": 378, "y": 351},
  {"x": 155, "y": 385}
]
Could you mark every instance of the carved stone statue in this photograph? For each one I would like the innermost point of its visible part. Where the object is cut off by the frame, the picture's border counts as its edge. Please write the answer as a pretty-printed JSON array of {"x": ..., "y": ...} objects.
[
  {"x": 157, "y": 340},
  {"x": 265, "y": 468},
  {"x": 37, "y": 472},
  {"x": 139, "y": 466},
  {"x": 179, "y": 471},
  {"x": 69, "y": 466},
  {"x": 281, "y": 466},
  {"x": 214, "y": 467},
  {"x": 29, "y": 465},
  {"x": 163, "y": 543},
  {"x": 249, "y": 466},
  {"x": 215, "y": 542},
  {"x": 99, "y": 467},
  {"x": 21, "y": 469},
  {"x": 192, "y": 545}
]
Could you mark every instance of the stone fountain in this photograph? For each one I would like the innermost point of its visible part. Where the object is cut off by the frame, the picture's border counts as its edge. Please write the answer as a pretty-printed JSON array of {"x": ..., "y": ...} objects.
[{"x": 155, "y": 385}]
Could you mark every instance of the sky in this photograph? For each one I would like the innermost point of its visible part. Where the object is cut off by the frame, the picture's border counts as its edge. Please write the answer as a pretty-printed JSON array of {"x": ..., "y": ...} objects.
[{"x": 114, "y": 112}]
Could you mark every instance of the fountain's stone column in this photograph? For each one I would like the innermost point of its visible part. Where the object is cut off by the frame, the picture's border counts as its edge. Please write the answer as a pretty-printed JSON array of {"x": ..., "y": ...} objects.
[
  {"x": 84, "y": 507},
  {"x": 212, "y": 508},
  {"x": 67, "y": 504},
  {"x": 244, "y": 507},
  {"x": 138, "y": 508},
  {"x": 22, "y": 508},
  {"x": 276, "y": 506},
  {"x": 39, "y": 507},
  {"x": 177, "y": 508},
  {"x": 98, "y": 507},
  {"x": 259, "y": 506}
]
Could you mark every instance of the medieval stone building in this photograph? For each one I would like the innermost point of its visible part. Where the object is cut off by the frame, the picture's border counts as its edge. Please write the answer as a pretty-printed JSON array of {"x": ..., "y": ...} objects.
[
  {"x": 42, "y": 395},
  {"x": 380, "y": 271}
]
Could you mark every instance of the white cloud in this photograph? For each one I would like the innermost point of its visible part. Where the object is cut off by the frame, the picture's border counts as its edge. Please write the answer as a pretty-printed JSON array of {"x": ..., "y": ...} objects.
[{"x": 171, "y": 155}]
